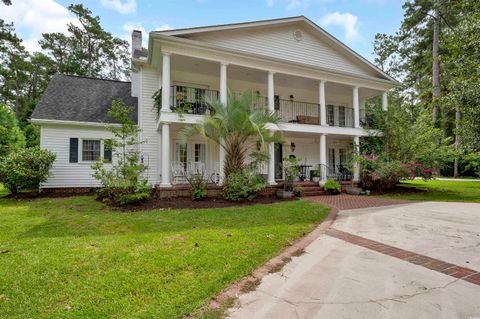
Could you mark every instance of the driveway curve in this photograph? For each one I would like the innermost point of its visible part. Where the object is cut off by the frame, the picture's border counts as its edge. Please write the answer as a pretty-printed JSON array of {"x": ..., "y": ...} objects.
[{"x": 416, "y": 260}]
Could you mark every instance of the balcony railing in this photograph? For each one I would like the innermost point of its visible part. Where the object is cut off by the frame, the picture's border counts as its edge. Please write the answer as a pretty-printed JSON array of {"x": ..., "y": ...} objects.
[
  {"x": 298, "y": 112},
  {"x": 259, "y": 102},
  {"x": 338, "y": 115},
  {"x": 190, "y": 100}
]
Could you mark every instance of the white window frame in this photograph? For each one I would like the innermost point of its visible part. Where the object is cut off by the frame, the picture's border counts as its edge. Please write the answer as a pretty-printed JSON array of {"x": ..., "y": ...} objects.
[{"x": 80, "y": 149}]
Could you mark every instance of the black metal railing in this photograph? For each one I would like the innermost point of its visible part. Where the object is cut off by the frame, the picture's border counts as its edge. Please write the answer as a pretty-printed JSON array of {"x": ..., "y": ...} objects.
[
  {"x": 338, "y": 115},
  {"x": 292, "y": 111},
  {"x": 259, "y": 101},
  {"x": 191, "y": 100},
  {"x": 335, "y": 172}
]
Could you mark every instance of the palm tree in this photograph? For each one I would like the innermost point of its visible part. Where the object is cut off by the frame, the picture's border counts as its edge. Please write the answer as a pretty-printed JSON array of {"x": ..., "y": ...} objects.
[{"x": 237, "y": 128}]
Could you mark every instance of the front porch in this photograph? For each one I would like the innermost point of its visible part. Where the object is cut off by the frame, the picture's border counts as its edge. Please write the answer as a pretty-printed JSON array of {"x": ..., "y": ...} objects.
[{"x": 325, "y": 156}]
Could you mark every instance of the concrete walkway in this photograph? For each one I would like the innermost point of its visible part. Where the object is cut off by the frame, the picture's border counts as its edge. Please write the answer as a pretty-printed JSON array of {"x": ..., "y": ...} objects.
[{"x": 417, "y": 260}]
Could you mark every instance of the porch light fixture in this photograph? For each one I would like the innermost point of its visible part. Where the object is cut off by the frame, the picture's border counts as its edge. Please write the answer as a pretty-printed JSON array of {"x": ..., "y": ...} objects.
[
  {"x": 292, "y": 147},
  {"x": 291, "y": 96}
]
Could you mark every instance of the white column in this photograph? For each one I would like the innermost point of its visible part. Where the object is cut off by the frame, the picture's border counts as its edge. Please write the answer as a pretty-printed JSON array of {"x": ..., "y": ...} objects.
[
  {"x": 165, "y": 155},
  {"x": 321, "y": 98},
  {"x": 223, "y": 83},
  {"x": 356, "y": 165},
  {"x": 271, "y": 164},
  {"x": 221, "y": 162},
  {"x": 166, "y": 82},
  {"x": 323, "y": 158},
  {"x": 356, "y": 108},
  {"x": 271, "y": 92},
  {"x": 384, "y": 100}
]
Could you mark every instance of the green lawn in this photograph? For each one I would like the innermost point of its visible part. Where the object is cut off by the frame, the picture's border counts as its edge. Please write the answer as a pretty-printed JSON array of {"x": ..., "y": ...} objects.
[
  {"x": 435, "y": 190},
  {"x": 76, "y": 258}
]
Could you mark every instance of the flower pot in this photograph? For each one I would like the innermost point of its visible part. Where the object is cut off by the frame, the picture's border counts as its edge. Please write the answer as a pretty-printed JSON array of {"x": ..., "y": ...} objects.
[
  {"x": 284, "y": 194},
  {"x": 353, "y": 190},
  {"x": 316, "y": 179}
]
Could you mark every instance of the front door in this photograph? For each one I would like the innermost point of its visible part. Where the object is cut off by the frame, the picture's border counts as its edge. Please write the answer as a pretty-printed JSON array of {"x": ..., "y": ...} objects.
[{"x": 278, "y": 157}]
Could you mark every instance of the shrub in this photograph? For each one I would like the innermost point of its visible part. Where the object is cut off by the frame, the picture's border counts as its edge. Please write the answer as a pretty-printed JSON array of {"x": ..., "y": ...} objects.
[
  {"x": 122, "y": 180},
  {"x": 332, "y": 187},
  {"x": 292, "y": 171},
  {"x": 198, "y": 186},
  {"x": 380, "y": 174},
  {"x": 138, "y": 195},
  {"x": 243, "y": 185},
  {"x": 298, "y": 190},
  {"x": 26, "y": 169}
]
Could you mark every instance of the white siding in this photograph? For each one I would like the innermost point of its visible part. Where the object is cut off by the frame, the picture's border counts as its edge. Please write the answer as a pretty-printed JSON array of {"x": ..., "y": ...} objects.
[
  {"x": 149, "y": 84},
  {"x": 64, "y": 173},
  {"x": 279, "y": 42}
]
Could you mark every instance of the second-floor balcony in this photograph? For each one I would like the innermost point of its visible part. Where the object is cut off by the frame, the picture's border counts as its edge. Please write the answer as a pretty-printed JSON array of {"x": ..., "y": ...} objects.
[{"x": 191, "y": 100}]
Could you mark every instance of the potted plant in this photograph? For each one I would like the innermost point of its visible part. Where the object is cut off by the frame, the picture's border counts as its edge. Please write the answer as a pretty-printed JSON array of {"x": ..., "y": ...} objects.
[
  {"x": 316, "y": 174},
  {"x": 292, "y": 172},
  {"x": 332, "y": 187}
]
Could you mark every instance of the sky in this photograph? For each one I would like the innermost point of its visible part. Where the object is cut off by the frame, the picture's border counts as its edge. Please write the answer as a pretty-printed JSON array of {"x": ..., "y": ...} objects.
[{"x": 354, "y": 22}]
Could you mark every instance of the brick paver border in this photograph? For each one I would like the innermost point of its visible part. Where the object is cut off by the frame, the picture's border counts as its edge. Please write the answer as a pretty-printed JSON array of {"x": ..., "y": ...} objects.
[
  {"x": 437, "y": 265},
  {"x": 346, "y": 201}
]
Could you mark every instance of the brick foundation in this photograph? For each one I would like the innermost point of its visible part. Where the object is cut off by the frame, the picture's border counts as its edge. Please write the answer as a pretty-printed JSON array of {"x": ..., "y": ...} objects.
[{"x": 68, "y": 190}]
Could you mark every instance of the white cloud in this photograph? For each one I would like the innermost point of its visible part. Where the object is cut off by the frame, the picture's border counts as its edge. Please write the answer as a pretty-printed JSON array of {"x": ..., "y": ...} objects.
[
  {"x": 32, "y": 18},
  {"x": 347, "y": 21},
  {"x": 292, "y": 4},
  {"x": 163, "y": 27},
  {"x": 123, "y": 7}
]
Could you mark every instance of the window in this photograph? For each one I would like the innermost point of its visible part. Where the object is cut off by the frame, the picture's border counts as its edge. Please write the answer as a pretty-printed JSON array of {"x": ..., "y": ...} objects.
[
  {"x": 341, "y": 116},
  {"x": 90, "y": 150},
  {"x": 331, "y": 160},
  {"x": 181, "y": 154},
  {"x": 200, "y": 153},
  {"x": 107, "y": 151},
  {"x": 330, "y": 115}
]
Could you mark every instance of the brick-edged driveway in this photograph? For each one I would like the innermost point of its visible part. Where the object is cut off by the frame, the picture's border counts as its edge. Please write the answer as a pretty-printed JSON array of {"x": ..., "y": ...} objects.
[{"x": 409, "y": 260}]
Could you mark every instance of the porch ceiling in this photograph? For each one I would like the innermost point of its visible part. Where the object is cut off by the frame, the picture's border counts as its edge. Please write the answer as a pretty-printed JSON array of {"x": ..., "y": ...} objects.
[{"x": 209, "y": 68}]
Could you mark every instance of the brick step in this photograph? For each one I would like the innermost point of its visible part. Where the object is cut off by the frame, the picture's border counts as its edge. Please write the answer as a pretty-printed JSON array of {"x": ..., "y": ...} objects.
[{"x": 313, "y": 193}]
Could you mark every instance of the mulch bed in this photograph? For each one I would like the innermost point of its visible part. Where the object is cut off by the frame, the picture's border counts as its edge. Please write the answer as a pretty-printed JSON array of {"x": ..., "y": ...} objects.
[{"x": 176, "y": 203}]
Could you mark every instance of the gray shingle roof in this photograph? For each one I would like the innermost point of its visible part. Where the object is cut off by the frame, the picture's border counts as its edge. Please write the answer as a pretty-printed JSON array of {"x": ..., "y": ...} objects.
[{"x": 82, "y": 99}]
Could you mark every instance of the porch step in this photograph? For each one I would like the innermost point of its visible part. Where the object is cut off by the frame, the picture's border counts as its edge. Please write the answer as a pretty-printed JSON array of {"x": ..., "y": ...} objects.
[{"x": 310, "y": 188}]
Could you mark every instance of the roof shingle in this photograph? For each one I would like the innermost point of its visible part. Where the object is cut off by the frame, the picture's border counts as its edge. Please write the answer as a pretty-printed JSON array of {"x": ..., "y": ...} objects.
[{"x": 82, "y": 99}]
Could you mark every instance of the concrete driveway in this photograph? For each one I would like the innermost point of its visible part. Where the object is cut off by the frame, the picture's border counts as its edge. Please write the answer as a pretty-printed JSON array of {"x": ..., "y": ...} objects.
[{"x": 419, "y": 260}]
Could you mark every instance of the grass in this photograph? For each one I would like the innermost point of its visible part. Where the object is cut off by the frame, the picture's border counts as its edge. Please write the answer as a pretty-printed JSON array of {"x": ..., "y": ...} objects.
[
  {"x": 436, "y": 190},
  {"x": 76, "y": 258}
]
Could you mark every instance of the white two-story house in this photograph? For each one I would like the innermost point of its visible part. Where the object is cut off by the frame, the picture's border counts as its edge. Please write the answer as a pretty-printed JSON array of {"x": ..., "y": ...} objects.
[{"x": 316, "y": 83}]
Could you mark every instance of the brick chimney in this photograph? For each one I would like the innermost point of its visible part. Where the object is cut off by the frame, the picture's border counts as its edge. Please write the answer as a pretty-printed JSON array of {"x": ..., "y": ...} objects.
[{"x": 136, "y": 40}]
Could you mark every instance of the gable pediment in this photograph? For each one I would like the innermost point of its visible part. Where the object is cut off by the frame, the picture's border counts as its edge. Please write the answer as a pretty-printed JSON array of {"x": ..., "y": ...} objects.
[{"x": 295, "y": 42}]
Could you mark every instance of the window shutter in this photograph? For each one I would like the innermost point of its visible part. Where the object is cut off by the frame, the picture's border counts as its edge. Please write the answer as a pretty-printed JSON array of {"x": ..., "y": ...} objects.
[
  {"x": 107, "y": 151},
  {"x": 73, "y": 150}
]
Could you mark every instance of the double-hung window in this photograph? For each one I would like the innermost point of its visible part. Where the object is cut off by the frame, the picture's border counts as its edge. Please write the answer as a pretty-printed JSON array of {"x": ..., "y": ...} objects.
[{"x": 91, "y": 150}]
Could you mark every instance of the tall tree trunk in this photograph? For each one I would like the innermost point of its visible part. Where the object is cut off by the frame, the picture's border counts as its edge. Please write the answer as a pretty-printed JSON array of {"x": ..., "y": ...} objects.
[
  {"x": 436, "y": 61},
  {"x": 457, "y": 140},
  {"x": 17, "y": 98}
]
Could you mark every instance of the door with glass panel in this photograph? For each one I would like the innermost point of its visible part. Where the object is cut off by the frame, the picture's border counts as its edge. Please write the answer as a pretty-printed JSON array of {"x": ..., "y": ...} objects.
[{"x": 191, "y": 156}]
